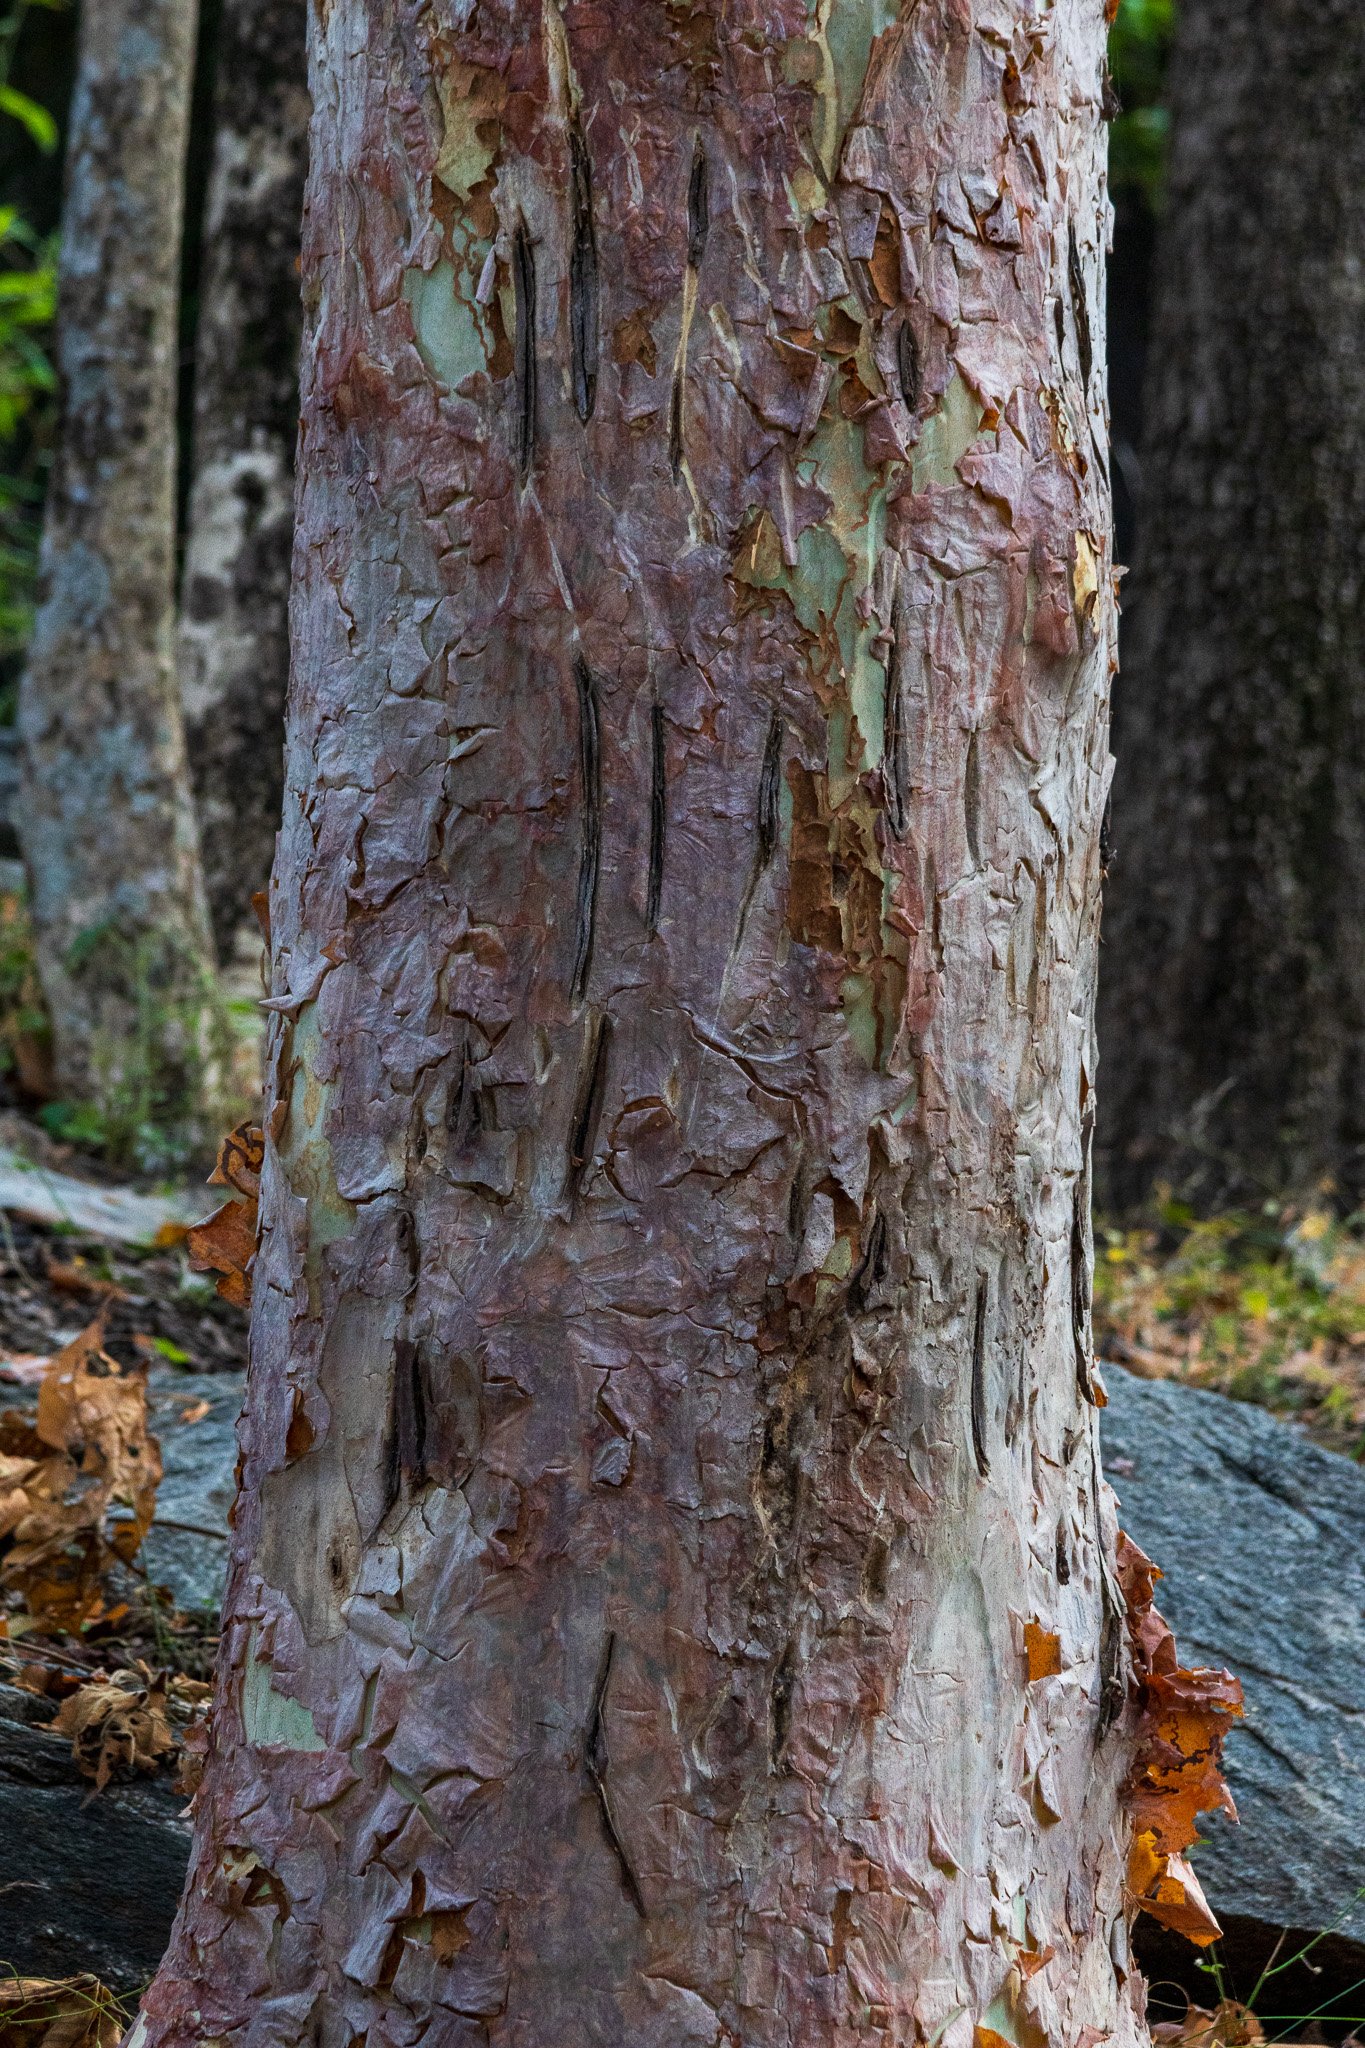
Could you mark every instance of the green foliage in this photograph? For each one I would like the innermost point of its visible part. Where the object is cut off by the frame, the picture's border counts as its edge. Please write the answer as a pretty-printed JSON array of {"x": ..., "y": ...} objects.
[
  {"x": 1139, "y": 47},
  {"x": 1268, "y": 1308},
  {"x": 164, "y": 1080}
]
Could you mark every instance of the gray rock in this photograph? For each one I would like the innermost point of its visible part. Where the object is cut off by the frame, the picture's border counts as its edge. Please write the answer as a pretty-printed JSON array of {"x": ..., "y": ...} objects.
[
  {"x": 86, "y": 1884},
  {"x": 1261, "y": 1536},
  {"x": 186, "y": 1548}
]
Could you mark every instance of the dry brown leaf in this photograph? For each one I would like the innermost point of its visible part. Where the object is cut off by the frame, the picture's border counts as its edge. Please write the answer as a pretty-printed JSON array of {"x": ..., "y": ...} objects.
[
  {"x": 117, "y": 1725},
  {"x": 240, "y": 1158},
  {"x": 1177, "y": 1774},
  {"x": 196, "y": 1411},
  {"x": 226, "y": 1243},
  {"x": 88, "y": 1453},
  {"x": 1043, "y": 1650},
  {"x": 1229, "y": 2026},
  {"x": 77, "y": 2012}
]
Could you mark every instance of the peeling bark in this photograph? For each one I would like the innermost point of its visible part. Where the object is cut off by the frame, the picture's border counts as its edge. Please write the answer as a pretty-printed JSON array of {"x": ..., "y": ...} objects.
[
  {"x": 234, "y": 615},
  {"x": 106, "y": 818},
  {"x": 1233, "y": 1014},
  {"x": 704, "y": 1119}
]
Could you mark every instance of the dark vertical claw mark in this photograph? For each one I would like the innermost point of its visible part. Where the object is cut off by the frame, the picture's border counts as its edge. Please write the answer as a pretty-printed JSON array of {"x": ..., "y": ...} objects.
[
  {"x": 769, "y": 791},
  {"x": 1080, "y": 1270},
  {"x": 872, "y": 1268},
  {"x": 766, "y": 822},
  {"x": 1076, "y": 276},
  {"x": 590, "y": 767},
  {"x": 698, "y": 207},
  {"x": 971, "y": 798},
  {"x": 464, "y": 1116},
  {"x": 895, "y": 767},
  {"x": 658, "y": 814},
  {"x": 698, "y": 228},
  {"x": 524, "y": 281},
  {"x": 598, "y": 1763},
  {"x": 405, "y": 1462},
  {"x": 983, "y": 1463},
  {"x": 587, "y": 1101},
  {"x": 675, "y": 425},
  {"x": 583, "y": 284},
  {"x": 1114, "y": 1613},
  {"x": 780, "y": 1705},
  {"x": 907, "y": 363},
  {"x": 1080, "y": 1297}
]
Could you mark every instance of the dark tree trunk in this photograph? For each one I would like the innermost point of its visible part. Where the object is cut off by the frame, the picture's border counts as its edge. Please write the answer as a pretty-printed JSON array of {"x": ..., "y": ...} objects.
[
  {"x": 671, "y": 1400},
  {"x": 106, "y": 817},
  {"x": 1233, "y": 992},
  {"x": 234, "y": 608}
]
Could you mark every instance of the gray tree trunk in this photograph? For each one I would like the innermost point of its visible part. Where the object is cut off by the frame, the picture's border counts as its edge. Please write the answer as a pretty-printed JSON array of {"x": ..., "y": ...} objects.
[
  {"x": 234, "y": 607},
  {"x": 1233, "y": 993},
  {"x": 106, "y": 817},
  {"x": 671, "y": 1398}
]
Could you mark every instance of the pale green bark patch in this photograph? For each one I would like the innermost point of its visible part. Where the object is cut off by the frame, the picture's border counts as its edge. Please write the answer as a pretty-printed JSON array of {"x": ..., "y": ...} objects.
[
  {"x": 451, "y": 331},
  {"x": 946, "y": 437},
  {"x": 270, "y": 1720}
]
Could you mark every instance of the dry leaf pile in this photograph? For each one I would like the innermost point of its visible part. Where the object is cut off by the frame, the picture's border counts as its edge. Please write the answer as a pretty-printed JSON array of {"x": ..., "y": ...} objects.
[
  {"x": 77, "y": 1484},
  {"x": 125, "y": 1722},
  {"x": 75, "y": 2012},
  {"x": 1178, "y": 1771}
]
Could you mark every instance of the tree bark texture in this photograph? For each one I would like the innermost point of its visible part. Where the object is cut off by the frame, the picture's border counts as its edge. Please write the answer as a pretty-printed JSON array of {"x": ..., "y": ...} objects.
[
  {"x": 234, "y": 608},
  {"x": 106, "y": 818},
  {"x": 672, "y": 1395},
  {"x": 1233, "y": 998}
]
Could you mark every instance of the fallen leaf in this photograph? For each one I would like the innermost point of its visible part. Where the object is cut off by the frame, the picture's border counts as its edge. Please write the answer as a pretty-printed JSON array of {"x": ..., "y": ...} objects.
[
  {"x": 65, "y": 1476},
  {"x": 240, "y": 1158},
  {"x": 1043, "y": 1651},
  {"x": 1228, "y": 2026},
  {"x": 75, "y": 2012},
  {"x": 196, "y": 1411},
  {"x": 1177, "y": 1773},
  {"x": 117, "y": 1725},
  {"x": 226, "y": 1245}
]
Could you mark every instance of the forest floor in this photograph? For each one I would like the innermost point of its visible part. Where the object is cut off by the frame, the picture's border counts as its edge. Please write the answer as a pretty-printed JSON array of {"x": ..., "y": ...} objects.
[{"x": 1267, "y": 1307}]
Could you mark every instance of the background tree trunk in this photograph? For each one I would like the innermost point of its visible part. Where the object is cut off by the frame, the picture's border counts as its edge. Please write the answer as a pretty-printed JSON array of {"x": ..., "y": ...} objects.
[
  {"x": 107, "y": 823},
  {"x": 1233, "y": 1019},
  {"x": 671, "y": 1396},
  {"x": 234, "y": 610}
]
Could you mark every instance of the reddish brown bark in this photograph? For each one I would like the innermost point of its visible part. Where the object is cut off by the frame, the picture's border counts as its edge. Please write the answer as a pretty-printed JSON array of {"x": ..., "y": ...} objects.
[{"x": 672, "y": 1395}]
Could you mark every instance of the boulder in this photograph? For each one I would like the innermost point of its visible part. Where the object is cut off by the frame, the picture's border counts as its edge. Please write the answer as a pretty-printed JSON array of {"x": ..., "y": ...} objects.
[
  {"x": 85, "y": 1884},
  {"x": 1261, "y": 1536}
]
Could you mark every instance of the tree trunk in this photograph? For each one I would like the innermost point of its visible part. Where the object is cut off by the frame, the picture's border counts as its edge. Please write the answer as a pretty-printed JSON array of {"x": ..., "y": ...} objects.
[
  {"x": 234, "y": 610},
  {"x": 671, "y": 1398},
  {"x": 1234, "y": 990},
  {"x": 106, "y": 819}
]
